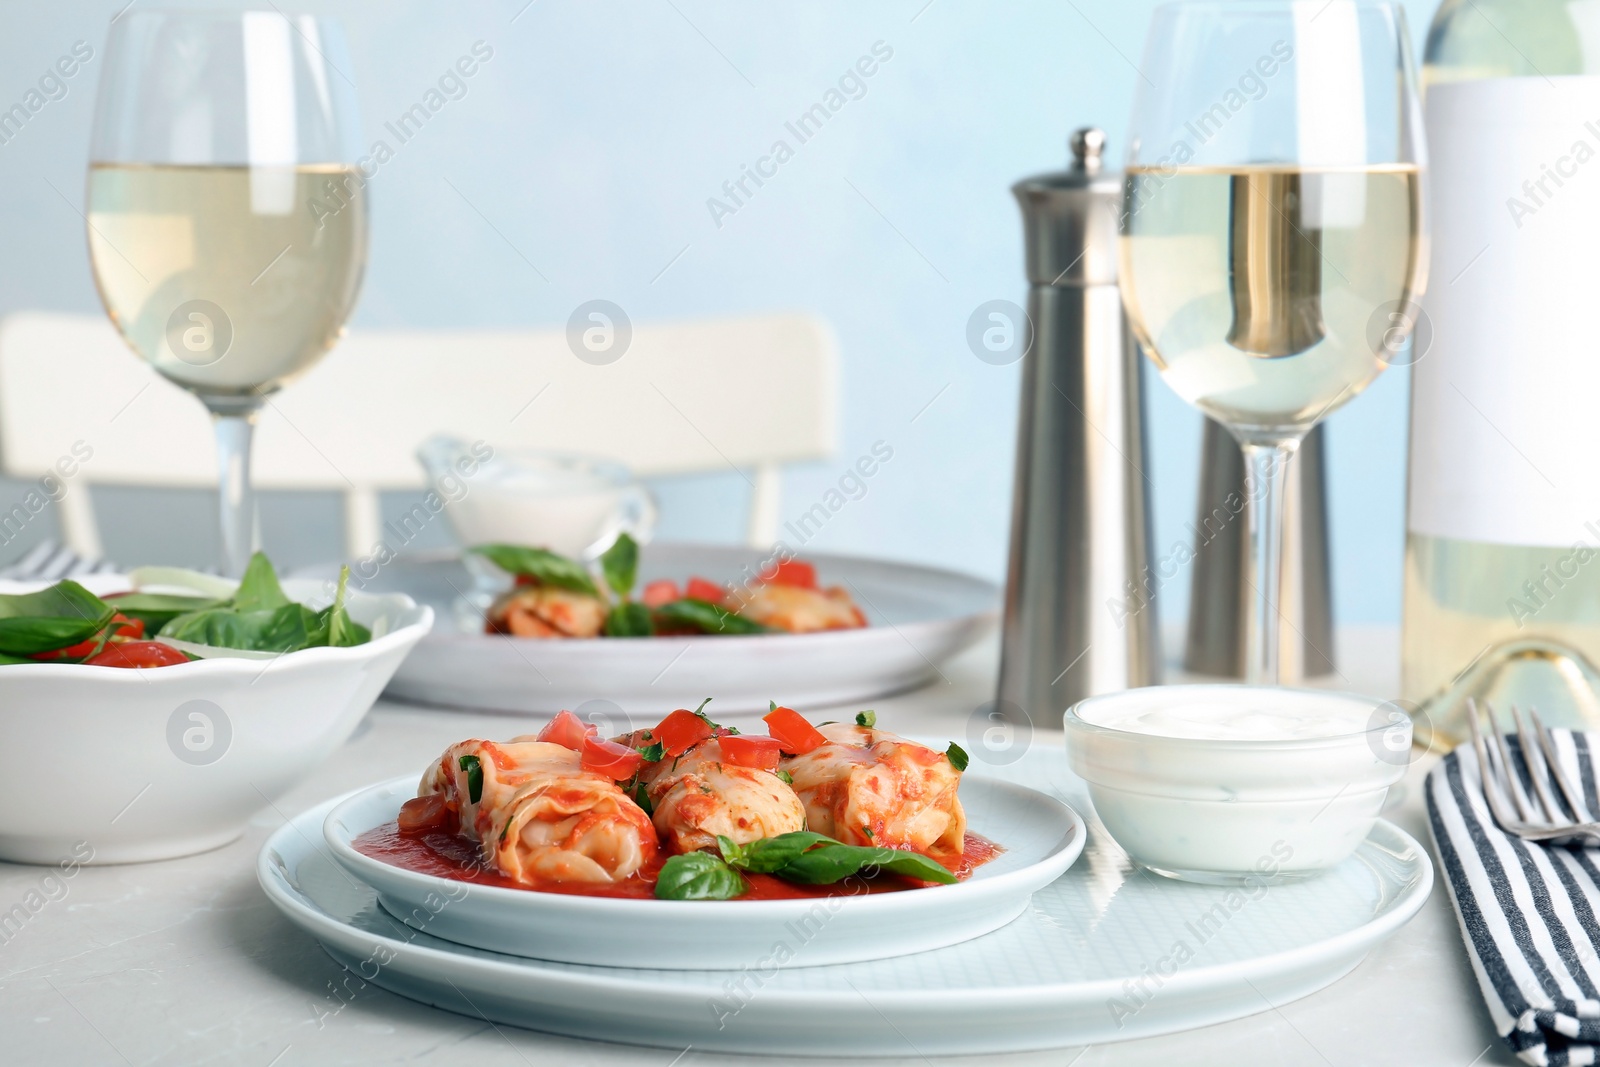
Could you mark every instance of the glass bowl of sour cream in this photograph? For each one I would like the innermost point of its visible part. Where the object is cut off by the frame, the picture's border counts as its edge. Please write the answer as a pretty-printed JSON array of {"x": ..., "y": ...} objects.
[{"x": 1237, "y": 784}]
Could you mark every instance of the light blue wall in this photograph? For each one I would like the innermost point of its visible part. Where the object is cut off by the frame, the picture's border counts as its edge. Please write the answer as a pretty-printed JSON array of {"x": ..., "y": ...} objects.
[{"x": 592, "y": 141}]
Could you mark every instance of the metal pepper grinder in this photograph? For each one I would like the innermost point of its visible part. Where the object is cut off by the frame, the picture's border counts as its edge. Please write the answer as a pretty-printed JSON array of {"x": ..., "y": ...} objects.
[{"x": 1080, "y": 616}]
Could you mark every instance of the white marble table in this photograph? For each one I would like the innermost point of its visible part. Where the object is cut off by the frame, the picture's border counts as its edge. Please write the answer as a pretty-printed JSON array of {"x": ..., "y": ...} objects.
[{"x": 185, "y": 962}]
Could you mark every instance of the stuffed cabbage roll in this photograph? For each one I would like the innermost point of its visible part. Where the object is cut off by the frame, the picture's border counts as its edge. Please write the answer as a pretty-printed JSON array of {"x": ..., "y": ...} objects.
[
  {"x": 798, "y": 610},
  {"x": 866, "y": 786},
  {"x": 546, "y": 611},
  {"x": 707, "y": 791},
  {"x": 537, "y": 815}
]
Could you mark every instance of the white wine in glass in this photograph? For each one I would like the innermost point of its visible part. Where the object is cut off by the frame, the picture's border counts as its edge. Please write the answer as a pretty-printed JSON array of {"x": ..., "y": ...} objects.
[
  {"x": 1253, "y": 288},
  {"x": 280, "y": 280},
  {"x": 227, "y": 220},
  {"x": 1273, "y": 231}
]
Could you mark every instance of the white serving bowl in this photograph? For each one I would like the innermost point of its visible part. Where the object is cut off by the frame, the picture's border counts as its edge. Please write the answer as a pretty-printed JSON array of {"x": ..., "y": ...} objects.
[
  {"x": 110, "y": 765},
  {"x": 1237, "y": 809}
]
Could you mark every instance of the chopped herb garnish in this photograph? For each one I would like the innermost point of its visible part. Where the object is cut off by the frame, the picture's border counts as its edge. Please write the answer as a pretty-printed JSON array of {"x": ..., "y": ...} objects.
[
  {"x": 652, "y": 753},
  {"x": 785, "y": 777},
  {"x": 641, "y": 797},
  {"x": 474, "y": 771},
  {"x": 957, "y": 756},
  {"x": 868, "y": 719},
  {"x": 867, "y": 831}
]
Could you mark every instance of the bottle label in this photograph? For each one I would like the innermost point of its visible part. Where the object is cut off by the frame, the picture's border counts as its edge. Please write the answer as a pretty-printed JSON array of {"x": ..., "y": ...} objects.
[{"x": 1505, "y": 405}]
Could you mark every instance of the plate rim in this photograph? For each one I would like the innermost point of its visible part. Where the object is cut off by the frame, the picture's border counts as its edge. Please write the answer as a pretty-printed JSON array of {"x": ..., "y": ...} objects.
[
  {"x": 292, "y": 902},
  {"x": 1064, "y": 852}
]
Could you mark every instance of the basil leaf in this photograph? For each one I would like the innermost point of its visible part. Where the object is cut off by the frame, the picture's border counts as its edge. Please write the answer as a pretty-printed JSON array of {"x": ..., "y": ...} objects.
[
  {"x": 158, "y": 609},
  {"x": 342, "y": 631},
  {"x": 539, "y": 563},
  {"x": 629, "y": 619},
  {"x": 620, "y": 564},
  {"x": 771, "y": 855},
  {"x": 474, "y": 769},
  {"x": 259, "y": 589},
  {"x": 288, "y": 629},
  {"x": 733, "y": 853},
  {"x": 957, "y": 756},
  {"x": 652, "y": 753},
  {"x": 829, "y": 863},
  {"x": 705, "y": 617},
  {"x": 868, "y": 719},
  {"x": 698, "y": 876},
  {"x": 62, "y": 615},
  {"x": 6, "y": 660}
]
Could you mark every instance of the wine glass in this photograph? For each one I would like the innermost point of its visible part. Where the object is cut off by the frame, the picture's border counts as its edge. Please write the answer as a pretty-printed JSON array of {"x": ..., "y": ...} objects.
[
  {"x": 227, "y": 220},
  {"x": 1273, "y": 245}
]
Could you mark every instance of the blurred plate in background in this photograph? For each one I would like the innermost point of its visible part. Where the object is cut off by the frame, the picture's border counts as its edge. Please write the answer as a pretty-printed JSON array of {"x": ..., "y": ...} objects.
[{"x": 919, "y": 618}]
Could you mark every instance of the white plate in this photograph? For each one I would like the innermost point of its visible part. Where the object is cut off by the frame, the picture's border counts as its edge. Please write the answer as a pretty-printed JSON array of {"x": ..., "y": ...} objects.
[
  {"x": 1092, "y": 960},
  {"x": 1041, "y": 835},
  {"x": 920, "y": 617}
]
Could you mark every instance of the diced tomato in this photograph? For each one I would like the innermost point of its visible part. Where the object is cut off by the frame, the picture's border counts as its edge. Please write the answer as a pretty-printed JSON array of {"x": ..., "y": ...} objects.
[
  {"x": 568, "y": 731},
  {"x": 793, "y": 733},
  {"x": 610, "y": 759},
  {"x": 680, "y": 731},
  {"x": 791, "y": 572},
  {"x": 750, "y": 750},
  {"x": 138, "y": 654},
  {"x": 420, "y": 814},
  {"x": 701, "y": 589},
  {"x": 526, "y": 579},
  {"x": 122, "y": 628},
  {"x": 657, "y": 593}
]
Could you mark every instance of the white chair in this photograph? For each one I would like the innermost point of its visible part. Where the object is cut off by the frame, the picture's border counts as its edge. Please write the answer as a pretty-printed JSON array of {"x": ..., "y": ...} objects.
[{"x": 743, "y": 394}]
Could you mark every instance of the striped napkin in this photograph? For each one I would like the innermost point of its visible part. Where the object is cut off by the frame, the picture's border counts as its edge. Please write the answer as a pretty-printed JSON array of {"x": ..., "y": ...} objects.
[
  {"x": 1528, "y": 911},
  {"x": 50, "y": 561}
]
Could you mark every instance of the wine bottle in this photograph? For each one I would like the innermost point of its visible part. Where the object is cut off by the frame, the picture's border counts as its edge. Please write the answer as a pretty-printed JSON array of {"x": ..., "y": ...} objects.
[{"x": 1502, "y": 568}]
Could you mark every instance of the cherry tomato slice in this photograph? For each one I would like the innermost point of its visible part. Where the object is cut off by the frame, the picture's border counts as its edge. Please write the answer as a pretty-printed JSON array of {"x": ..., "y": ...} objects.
[
  {"x": 615, "y": 761},
  {"x": 701, "y": 589},
  {"x": 138, "y": 654},
  {"x": 121, "y": 627},
  {"x": 568, "y": 731},
  {"x": 421, "y": 814},
  {"x": 680, "y": 731},
  {"x": 792, "y": 572},
  {"x": 793, "y": 733},
  {"x": 750, "y": 750},
  {"x": 657, "y": 593}
]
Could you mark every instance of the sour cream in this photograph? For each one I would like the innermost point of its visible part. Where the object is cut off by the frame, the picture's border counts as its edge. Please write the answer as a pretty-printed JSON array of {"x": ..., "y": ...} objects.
[
  {"x": 1227, "y": 783},
  {"x": 1240, "y": 715}
]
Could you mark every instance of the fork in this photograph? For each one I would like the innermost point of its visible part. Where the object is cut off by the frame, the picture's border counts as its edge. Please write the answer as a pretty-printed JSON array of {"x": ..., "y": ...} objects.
[{"x": 1537, "y": 817}]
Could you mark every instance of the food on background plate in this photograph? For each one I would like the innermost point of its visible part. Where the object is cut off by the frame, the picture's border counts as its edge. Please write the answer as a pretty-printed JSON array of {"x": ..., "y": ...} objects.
[
  {"x": 66, "y": 623},
  {"x": 690, "y": 810},
  {"x": 557, "y": 597}
]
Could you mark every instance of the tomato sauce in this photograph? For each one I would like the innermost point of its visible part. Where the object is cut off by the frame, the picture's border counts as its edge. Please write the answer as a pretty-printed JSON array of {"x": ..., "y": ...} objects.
[{"x": 448, "y": 855}]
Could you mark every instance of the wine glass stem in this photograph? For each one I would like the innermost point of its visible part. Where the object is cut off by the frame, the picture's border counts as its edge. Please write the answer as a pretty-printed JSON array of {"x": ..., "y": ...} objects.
[
  {"x": 1267, "y": 468},
  {"x": 234, "y": 434}
]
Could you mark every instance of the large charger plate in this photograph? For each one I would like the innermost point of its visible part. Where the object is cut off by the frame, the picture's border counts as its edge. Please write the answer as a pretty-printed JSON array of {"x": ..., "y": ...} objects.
[
  {"x": 1104, "y": 953},
  {"x": 920, "y": 618},
  {"x": 1041, "y": 835}
]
